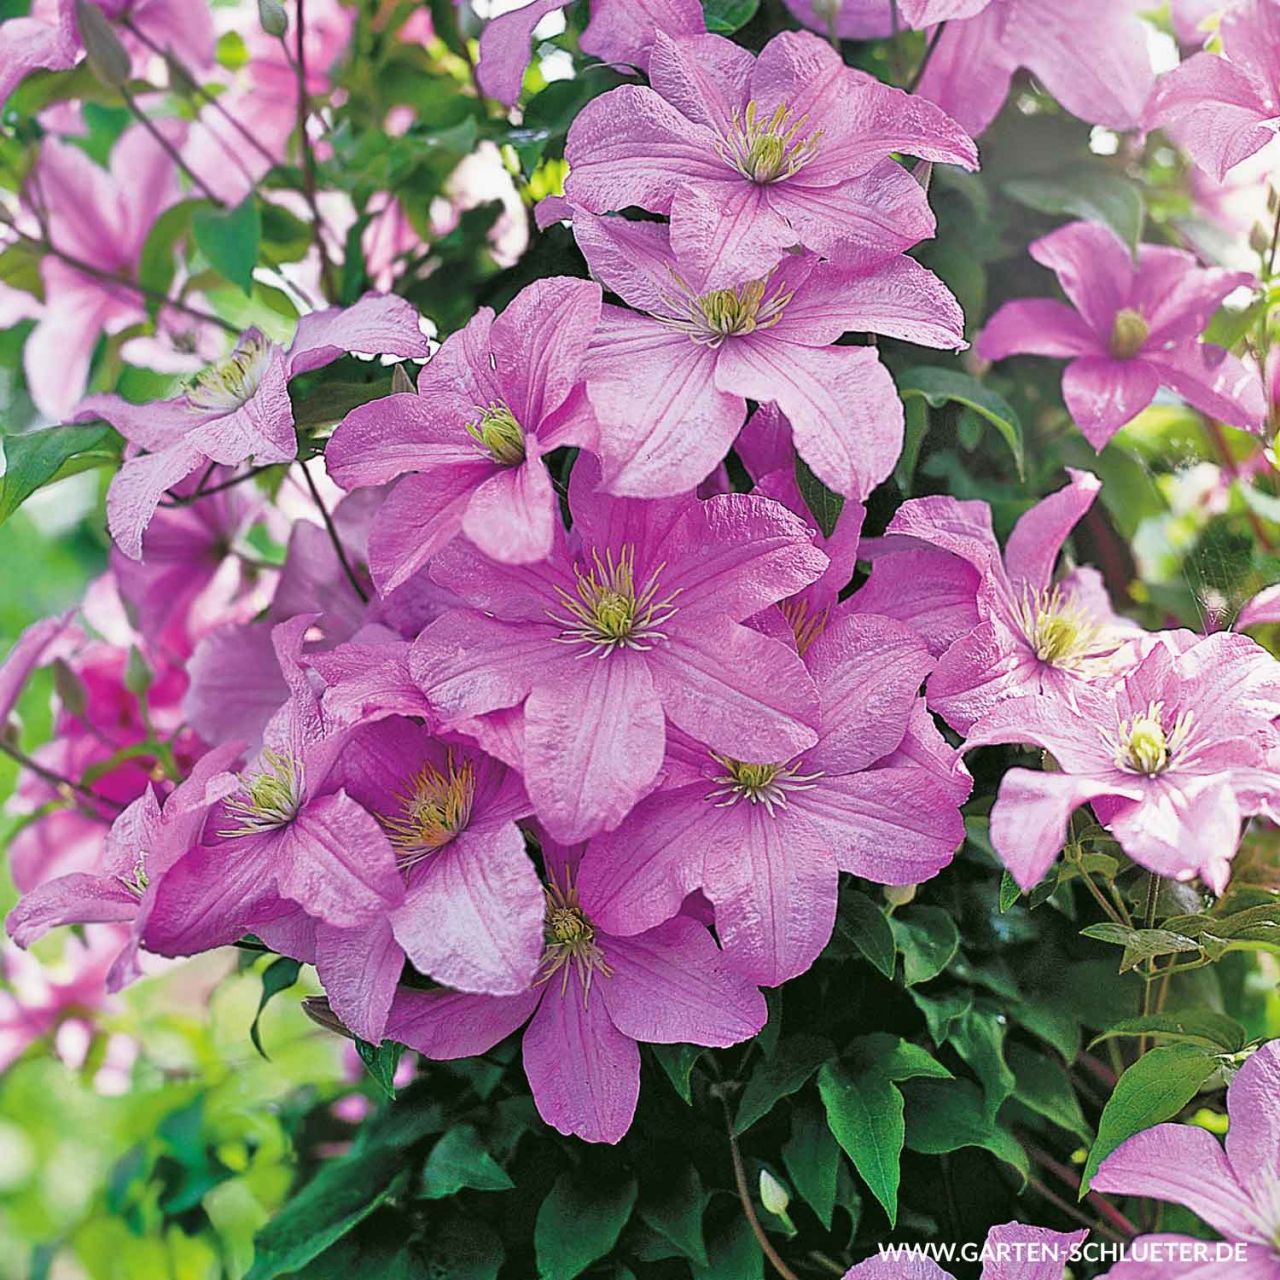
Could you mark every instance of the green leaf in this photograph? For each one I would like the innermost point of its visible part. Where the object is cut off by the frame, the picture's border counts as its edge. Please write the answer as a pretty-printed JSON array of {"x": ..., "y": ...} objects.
[
  {"x": 279, "y": 975},
  {"x": 916, "y": 412},
  {"x": 33, "y": 458},
  {"x": 578, "y": 1224},
  {"x": 1192, "y": 1026},
  {"x": 1044, "y": 1086},
  {"x": 1092, "y": 194},
  {"x": 1140, "y": 944},
  {"x": 724, "y": 17},
  {"x": 928, "y": 939},
  {"x": 677, "y": 1061},
  {"x": 866, "y": 927},
  {"x": 865, "y": 1112},
  {"x": 734, "y": 1254},
  {"x": 938, "y": 386},
  {"x": 812, "y": 1159},
  {"x": 157, "y": 263},
  {"x": 229, "y": 240},
  {"x": 675, "y": 1212},
  {"x": 944, "y": 1116},
  {"x": 785, "y": 1071},
  {"x": 824, "y": 505},
  {"x": 381, "y": 1061},
  {"x": 942, "y": 1012},
  {"x": 896, "y": 1058},
  {"x": 462, "y": 1249},
  {"x": 338, "y": 1198},
  {"x": 460, "y": 1159},
  {"x": 1153, "y": 1090},
  {"x": 978, "y": 1037},
  {"x": 1009, "y": 892}
]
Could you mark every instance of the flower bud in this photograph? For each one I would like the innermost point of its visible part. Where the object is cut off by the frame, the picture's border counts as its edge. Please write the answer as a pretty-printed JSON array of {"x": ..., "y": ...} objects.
[
  {"x": 69, "y": 688},
  {"x": 108, "y": 58},
  {"x": 898, "y": 895},
  {"x": 773, "y": 1195},
  {"x": 138, "y": 675},
  {"x": 274, "y": 20}
]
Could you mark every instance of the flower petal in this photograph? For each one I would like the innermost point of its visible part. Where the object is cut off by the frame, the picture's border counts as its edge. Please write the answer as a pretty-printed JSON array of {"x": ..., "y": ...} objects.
[{"x": 445, "y": 1025}]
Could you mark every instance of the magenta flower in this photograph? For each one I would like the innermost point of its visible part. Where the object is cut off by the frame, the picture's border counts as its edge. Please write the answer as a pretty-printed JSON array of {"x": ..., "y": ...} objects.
[
  {"x": 1222, "y": 110},
  {"x": 1262, "y": 609},
  {"x": 1172, "y": 758},
  {"x": 284, "y": 834},
  {"x": 620, "y": 31},
  {"x": 1032, "y": 635},
  {"x": 1091, "y": 55},
  {"x": 1011, "y": 1252},
  {"x": 670, "y": 386},
  {"x": 37, "y": 646},
  {"x": 791, "y": 148},
  {"x": 1236, "y": 1191},
  {"x": 634, "y": 622},
  {"x": 237, "y": 409},
  {"x": 765, "y": 841},
  {"x": 596, "y": 996},
  {"x": 46, "y": 40},
  {"x": 495, "y": 399},
  {"x": 1129, "y": 330}
]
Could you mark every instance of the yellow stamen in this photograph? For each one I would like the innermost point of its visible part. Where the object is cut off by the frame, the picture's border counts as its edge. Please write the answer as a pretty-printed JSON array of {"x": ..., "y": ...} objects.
[
  {"x": 806, "y": 625},
  {"x": 570, "y": 941},
  {"x": 1058, "y": 629},
  {"x": 268, "y": 799},
  {"x": 607, "y": 610},
  {"x": 1129, "y": 333},
  {"x": 1143, "y": 745},
  {"x": 763, "y": 784},
  {"x": 433, "y": 810},
  {"x": 766, "y": 151},
  {"x": 232, "y": 382},
  {"x": 499, "y": 434}
]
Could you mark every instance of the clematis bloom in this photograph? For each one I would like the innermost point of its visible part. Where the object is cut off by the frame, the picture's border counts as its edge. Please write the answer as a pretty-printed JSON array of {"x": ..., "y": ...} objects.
[
  {"x": 495, "y": 399},
  {"x": 595, "y": 997},
  {"x": 1130, "y": 329},
  {"x": 1172, "y": 758},
  {"x": 1233, "y": 1190},
  {"x": 635, "y": 621},
  {"x": 1011, "y": 1252},
  {"x": 790, "y": 148},
  {"x": 237, "y": 409}
]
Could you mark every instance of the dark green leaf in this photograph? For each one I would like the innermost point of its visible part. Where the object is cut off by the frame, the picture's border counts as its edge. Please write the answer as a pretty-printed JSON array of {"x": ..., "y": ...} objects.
[
  {"x": 461, "y": 1249},
  {"x": 1009, "y": 892},
  {"x": 824, "y": 505},
  {"x": 928, "y": 939},
  {"x": 916, "y": 412},
  {"x": 867, "y": 928},
  {"x": 578, "y": 1223},
  {"x": 1044, "y": 1085},
  {"x": 1153, "y": 1090},
  {"x": 978, "y": 1037},
  {"x": 1092, "y": 194},
  {"x": 674, "y": 1210},
  {"x": 460, "y": 1159},
  {"x": 157, "y": 264},
  {"x": 381, "y": 1061},
  {"x": 1192, "y": 1026},
  {"x": 812, "y": 1159},
  {"x": 795, "y": 1060},
  {"x": 724, "y": 17},
  {"x": 229, "y": 240},
  {"x": 944, "y": 1116},
  {"x": 938, "y": 385},
  {"x": 864, "y": 1113},
  {"x": 280, "y": 974},
  {"x": 896, "y": 1058},
  {"x": 734, "y": 1254},
  {"x": 677, "y": 1061},
  {"x": 1140, "y": 944},
  {"x": 34, "y": 457}
]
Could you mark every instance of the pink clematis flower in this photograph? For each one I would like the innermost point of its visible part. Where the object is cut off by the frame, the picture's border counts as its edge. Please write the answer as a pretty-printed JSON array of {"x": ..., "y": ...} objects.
[
  {"x": 1031, "y": 635},
  {"x": 1011, "y": 1252},
  {"x": 281, "y": 836},
  {"x": 1222, "y": 110},
  {"x": 765, "y": 841},
  {"x": 1234, "y": 1191},
  {"x": 238, "y": 409},
  {"x": 1129, "y": 330},
  {"x": 1262, "y": 609},
  {"x": 595, "y": 997},
  {"x": 496, "y": 398},
  {"x": 45, "y": 40},
  {"x": 1172, "y": 758},
  {"x": 634, "y": 622},
  {"x": 790, "y": 148},
  {"x": 670, "y": 386},
  {"x": 620, "y": 31}
]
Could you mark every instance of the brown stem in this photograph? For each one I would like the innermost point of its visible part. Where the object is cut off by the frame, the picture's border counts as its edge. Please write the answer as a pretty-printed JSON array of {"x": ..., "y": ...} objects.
[
  {"x": 57, "y": 780},
  {"x": 308, "y": 155},
  {"x": 934, "y": 37},
  {"x": 1214, "y": 433},
  {"x": 167, "y": 147},
  {"x": 744, "y": 1195},
  {"x": 333, "y": 536},
  {"x": 1069, "y": 1178},
  {"x": 186, "y": 500}
]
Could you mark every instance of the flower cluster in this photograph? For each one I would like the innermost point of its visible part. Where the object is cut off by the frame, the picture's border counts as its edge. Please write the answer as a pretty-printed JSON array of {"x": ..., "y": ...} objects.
[{"x": 565, "y": 704}]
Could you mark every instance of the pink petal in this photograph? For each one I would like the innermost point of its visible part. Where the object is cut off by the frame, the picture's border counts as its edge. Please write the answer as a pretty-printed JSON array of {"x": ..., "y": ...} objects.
[
  {"x": 913, "y": 1267},
  {"x": 671, "y": 985},
  {"x": 926, "y": 13},
  {"x": 705, "y": 77},
  {"x": 472, "y": 916},
  {"x": 584, "y": 1073},
  {"x": 236, "y": 684},
  {"x": 1094, "y": 267},
  {"x": 379, "y": 324},
  {"x": 1253, "y": 1140},
  {"x": 1215, "y": 382},
  {"x": 730, "y": 231},
  {"x": 262, "y": 428},
  {"x": 1032, "y": 1252},
  {"x": 632, "y": 259},
  {"x": 79, "y": 898},
  {"x": 151, "y": 426},
  {"x": 360, "y": 969},
  {"x": 505, "y": 52},
  {"x": 36, "y": 645},
  {"x": 970, "y": 71},
  {"x": 137, "y": 488},
  {"x": 511, "y": 517},
  {"x": 28, "y": 44},
  {"x": 625, "y": 30},
  {"x": 448, "y": 1024},
  {"x": 1036, "y": 327},
  {"x": 1263, "y": 608},
  {"x": 1032, "y": 550},
  {"x": 1170, "y": 1257},
  {"x": 933, "y": 592},
  {"x": 593, "y": 743},
  {"x": 1103, "y": 394}
]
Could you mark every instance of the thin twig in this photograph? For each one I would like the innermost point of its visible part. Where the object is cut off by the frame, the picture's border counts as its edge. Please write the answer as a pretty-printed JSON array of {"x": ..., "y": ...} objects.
[
  {"x": 936, "y": 35},
  {"x": 57, "y": 780},
  {"x": 167, "y": 147},
  {"x": 187, "y": 499},
  {"x": 307, "y": 154},
  {"x": 1070, "y": 1179},
  {"x": 333, "y": 537}
]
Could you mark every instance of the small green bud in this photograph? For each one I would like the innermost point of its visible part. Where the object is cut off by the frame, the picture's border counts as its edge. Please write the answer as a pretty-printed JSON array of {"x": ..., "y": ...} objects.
[
  {"x": 773, "y": 1195},
  {"x": 138, "y": 675},
  {"x": 108, "y": 58},
  {"x": 274, "y": 20},
  {"x": 69, "y": 688},
  {"x": 898, "y": 895}
]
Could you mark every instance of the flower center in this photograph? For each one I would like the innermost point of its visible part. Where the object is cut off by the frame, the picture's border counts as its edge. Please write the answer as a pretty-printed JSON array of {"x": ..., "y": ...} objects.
[
  {"x": 607, "y": 610},
  {"x": 768, "y": 150},
  {"x": 570, "y": 941},
  {"x": 433, "y": 810},
  {"x": 1129, "y": 333},
  {"x": 1143, "y": 745},
  {"x": 1058, "y": 629},
  {"x": 711, "y": 318},
  {"x": 231, "y": 383},
  {"x": 268, "y": 799},
  {"x": 806, "y": 624},
  {"x": 765, "y": 784},
  {"x": 499, "y": 434}
]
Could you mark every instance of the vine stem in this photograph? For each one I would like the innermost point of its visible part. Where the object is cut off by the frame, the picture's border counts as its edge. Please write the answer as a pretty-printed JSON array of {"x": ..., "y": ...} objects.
[
  {"x": 308, "y": 155},
  {"x": 57, "y": 780},
  {"x": 1070, "y": 1179},
  {"x": 157, "y": 136},
  {"x": 187, "y": 500},
  {"x": 332, "y": 530},
  {"x": 936, "y": 35}
]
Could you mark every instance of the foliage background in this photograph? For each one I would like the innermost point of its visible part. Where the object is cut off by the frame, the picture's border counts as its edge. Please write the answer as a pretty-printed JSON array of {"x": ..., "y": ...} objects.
[{"x": 966, "y": 1011}]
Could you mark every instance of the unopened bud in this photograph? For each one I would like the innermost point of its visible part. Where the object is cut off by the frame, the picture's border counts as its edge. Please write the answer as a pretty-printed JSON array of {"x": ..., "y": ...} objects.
[
  {"x": 898, "y": 895},
  {"x": 180, "y": 79},
  {"x": 274, "y": 20},
  {"x": 773, "y": 1195},
  {"x": 69, "y": 688},
  {"x": 138, "y": 674},
  {"x": 401, "y": 383},
  {"x": 108, "y": 58}
]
